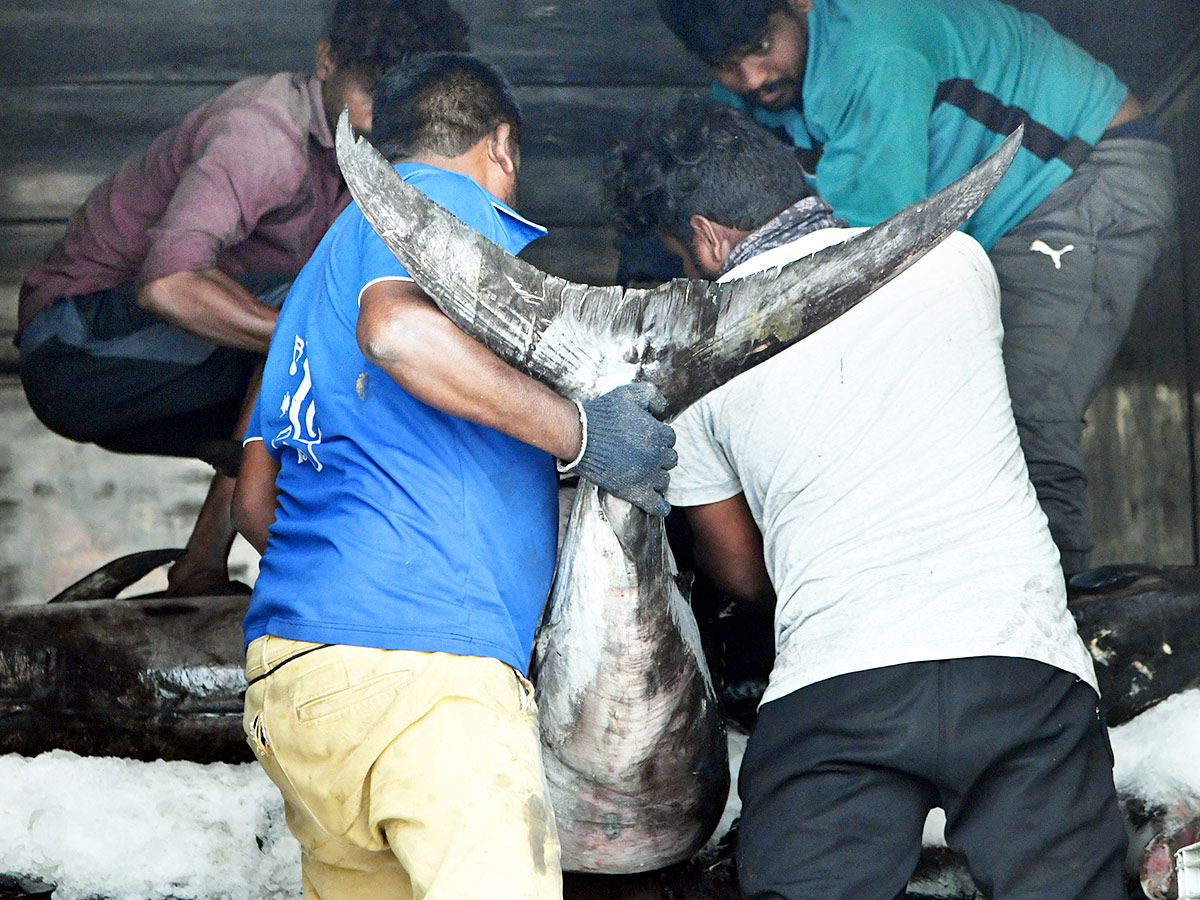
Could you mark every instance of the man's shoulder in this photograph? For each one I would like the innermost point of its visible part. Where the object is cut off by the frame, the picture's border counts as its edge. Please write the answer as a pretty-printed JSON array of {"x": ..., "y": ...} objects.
[
  {"x": 259, "y": 126},
  {"x": 267, "y": 108},
  {"x": 963, "y": 254},
  {"x": 841, "y": 29},
  {"x": 288, "y": 91},
  {"x": 956, "y": 270},
  {"x": 854, "y": 42},
  {"x": 964, "y": 245},
  {"x": 872, "y": 23}
]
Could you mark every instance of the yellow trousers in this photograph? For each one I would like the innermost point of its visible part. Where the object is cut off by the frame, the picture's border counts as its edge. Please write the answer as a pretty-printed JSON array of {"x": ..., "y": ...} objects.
[{"x": 404, "y": 774}]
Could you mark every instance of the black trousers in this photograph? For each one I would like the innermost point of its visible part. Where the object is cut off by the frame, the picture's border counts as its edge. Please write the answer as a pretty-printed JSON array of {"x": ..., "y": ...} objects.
[
  {"x": 99, "y": 369},
  {"x": 839, "y": 776}
]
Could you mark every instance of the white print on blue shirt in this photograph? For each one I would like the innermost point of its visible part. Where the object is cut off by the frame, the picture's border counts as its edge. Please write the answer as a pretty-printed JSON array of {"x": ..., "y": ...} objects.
[{"x": 296, "y": 434}]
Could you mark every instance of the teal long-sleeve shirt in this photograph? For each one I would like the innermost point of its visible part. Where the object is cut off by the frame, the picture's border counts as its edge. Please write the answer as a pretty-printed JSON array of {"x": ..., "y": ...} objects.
[{"x": 900, "y": 99}]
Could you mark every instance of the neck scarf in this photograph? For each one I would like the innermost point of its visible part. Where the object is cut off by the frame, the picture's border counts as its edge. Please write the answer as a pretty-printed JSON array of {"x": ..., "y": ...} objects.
[{"x": 797, "y": 220}]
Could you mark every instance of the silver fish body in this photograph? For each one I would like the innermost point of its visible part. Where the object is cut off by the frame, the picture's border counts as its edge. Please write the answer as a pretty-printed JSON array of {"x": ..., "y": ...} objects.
[{"x": 634, "y": 745}]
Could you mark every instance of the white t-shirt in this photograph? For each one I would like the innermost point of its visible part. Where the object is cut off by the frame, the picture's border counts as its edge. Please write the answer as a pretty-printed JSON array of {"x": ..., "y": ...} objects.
[{"x": 880, "y": 460}]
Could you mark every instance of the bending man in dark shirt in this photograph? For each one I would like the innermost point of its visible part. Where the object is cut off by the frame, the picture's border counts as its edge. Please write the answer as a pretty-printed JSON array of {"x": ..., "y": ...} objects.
[{"x": 925, "y": 656}]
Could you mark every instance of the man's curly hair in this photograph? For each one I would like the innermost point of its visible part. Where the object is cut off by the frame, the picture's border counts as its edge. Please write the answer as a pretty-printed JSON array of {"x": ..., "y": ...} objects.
[
  {"x": 702, "y": 158},
  {"x": 373, "y": 35}
]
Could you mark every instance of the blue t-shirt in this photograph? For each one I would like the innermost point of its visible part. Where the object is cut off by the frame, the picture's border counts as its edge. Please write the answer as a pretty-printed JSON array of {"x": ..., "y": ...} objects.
[
  {"x": 398, "y": 526},
  {"x": 900, "y": 99}
]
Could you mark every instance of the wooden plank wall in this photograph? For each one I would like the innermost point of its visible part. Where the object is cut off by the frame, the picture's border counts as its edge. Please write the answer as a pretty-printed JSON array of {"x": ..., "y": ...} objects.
[{"x": 86, "y": 82}]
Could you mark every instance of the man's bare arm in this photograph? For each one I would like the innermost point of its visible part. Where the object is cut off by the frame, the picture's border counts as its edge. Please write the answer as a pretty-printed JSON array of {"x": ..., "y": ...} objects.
[
  {"x": 254, "y": 497},
  {"x": 729, "y": 548},
  {"x": 402, "y": 332},
  {"x": 212, "y": 305}
]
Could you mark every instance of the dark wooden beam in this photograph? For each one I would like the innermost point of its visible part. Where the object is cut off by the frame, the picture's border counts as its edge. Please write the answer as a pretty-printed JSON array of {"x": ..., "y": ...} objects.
[
  {"x": 584, "y": 42},
  {"x": 62, "y": 140}
]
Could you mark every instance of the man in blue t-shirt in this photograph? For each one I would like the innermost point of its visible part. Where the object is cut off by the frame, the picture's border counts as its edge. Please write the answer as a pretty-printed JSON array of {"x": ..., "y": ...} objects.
[
  {"x": 887, "y": 102},
  {"x": 400, "y": 482}
]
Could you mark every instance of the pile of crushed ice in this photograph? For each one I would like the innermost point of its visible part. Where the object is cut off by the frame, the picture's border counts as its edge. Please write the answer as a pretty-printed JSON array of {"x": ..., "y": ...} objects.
[
  {"x": 142, "y": 831},
  {"x": 103, "y": 827},
  {"x": 1158, "y": 753}
]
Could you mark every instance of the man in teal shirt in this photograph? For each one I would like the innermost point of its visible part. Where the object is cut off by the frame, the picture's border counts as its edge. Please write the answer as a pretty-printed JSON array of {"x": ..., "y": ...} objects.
[{"x": 888, "y": 102}]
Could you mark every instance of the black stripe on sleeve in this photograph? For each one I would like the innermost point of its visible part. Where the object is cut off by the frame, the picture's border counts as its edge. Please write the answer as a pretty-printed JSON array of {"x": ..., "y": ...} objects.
[{"x": 991, "y": 112}]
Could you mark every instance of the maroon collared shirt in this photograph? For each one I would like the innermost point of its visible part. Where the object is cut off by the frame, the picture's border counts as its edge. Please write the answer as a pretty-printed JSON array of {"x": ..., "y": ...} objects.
[{"x": 247, "y": 182}]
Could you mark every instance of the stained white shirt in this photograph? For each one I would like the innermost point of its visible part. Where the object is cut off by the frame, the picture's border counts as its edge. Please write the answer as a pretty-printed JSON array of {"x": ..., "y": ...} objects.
[{"x": 880, "y": 459}]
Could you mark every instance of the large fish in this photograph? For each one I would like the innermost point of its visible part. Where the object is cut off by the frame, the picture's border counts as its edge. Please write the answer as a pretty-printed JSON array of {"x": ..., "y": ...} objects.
[
  {"x": 633, "y": 741},
  {"x": 147, "y": 678},
  {"x": 1139, "y": 622}
]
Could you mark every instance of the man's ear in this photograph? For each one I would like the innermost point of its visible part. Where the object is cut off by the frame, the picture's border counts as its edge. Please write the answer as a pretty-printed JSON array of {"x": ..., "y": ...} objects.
[
  {"x": 502, "y": 150},
  {"x": 326, "y": 61},
  {"x": 711, "y": 241},
  {"x": 800, "y": 7}
]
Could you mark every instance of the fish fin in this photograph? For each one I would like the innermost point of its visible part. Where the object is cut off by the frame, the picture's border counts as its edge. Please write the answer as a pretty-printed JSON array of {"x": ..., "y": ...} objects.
[
  {"x": 686, "y": 336},
  {"x": 811, "y": 292},
  {"x": 527, "y": 317},
  {"x": 113, "y": 577}
]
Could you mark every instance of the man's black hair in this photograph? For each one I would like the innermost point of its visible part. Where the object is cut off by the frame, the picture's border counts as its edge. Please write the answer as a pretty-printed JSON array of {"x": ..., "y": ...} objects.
[
  {"x": 703, "y": 158},
  {"x": 373, "y": 35},
  {"x": 715, "y": 30},
  {"x": 441, "y": 103}
]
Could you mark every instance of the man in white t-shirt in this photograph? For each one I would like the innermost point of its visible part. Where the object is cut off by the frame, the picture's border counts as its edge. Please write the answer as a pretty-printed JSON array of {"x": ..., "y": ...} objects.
[{"x": 869, "y": 483}]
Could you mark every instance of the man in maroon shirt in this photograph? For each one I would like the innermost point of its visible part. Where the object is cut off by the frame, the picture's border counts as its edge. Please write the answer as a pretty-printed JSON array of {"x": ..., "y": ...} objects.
[{"x": 143, "y": 329}]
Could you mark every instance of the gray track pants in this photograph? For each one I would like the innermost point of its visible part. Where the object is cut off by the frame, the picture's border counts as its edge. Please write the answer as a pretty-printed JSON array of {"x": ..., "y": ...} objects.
[{"x": 1070, "y": 274}]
